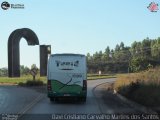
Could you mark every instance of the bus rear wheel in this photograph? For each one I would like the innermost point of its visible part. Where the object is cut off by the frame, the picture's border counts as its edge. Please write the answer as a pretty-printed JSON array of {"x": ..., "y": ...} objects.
[
  {"x": 52, "y": 99},
  {"x": 83, "y": 99}
]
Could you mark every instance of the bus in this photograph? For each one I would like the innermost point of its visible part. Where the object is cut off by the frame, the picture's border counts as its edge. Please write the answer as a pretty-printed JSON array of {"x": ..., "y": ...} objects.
[{"x": 67, "y": 76}]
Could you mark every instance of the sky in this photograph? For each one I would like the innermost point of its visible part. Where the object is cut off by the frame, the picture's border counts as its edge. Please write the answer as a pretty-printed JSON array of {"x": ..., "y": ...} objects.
[{"x": 77, "y": 26}]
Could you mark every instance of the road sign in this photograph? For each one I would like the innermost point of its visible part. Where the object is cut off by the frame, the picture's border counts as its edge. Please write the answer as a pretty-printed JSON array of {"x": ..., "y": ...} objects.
[{"x": 34, "y": 71}]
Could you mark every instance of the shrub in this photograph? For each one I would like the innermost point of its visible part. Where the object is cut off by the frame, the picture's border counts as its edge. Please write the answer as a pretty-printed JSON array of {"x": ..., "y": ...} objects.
[{"x": 32, "y": 83}]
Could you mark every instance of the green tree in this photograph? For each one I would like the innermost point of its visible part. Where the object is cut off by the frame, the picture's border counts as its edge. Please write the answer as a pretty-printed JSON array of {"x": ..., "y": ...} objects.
[
  {"x": 137, "y": 57},
  {"x": 139, "y": 64},
  {"x": 155, "y": 49},
  {"x": 121, "y": 46},
  {"x": 3, "y": 72},
  {"x": 34, "y": 66},
  {"x": 24, "y": 70},
  {"x": 106, "y": 55},
  {"x": 146, "y": 48}
]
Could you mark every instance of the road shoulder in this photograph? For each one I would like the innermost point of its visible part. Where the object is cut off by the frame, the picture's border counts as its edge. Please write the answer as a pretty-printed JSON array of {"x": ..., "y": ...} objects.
[{"x": 110, "y": 102}]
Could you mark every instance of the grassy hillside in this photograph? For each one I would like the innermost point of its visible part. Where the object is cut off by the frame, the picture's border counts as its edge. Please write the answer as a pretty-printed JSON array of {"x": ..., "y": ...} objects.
[{"x": 143, "y": 87}]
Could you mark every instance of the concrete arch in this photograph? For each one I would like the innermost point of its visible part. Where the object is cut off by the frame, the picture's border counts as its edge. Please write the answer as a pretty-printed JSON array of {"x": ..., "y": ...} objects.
[{"x": 13, "y": 49}]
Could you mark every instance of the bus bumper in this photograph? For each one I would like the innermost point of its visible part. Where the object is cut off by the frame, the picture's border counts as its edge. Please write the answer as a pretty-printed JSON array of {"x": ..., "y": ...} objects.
[{"x": 58, "y": 94}]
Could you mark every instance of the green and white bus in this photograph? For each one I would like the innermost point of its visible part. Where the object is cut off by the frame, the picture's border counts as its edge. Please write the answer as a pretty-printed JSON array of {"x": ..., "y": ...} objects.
[{"x": 67, "y": 76}]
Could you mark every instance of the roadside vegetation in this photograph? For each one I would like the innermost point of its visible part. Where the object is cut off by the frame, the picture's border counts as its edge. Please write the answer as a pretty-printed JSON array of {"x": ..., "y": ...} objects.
[
  {"x": 27, "y": 80},
  {"x": 140, "y": 61},
  {"x": 22, "y": 80},
  {"x": 142, "y": 87},
  {"x": 102, "y": 76},
  {"x": 123, "y": 59}
]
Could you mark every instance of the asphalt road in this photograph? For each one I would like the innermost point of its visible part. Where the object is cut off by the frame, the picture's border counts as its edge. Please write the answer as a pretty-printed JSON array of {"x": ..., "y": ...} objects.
[
  {"x": 14, "y": 99},
  {"x": 26, "y": 101},
  {"x": 91, "y": 105}
]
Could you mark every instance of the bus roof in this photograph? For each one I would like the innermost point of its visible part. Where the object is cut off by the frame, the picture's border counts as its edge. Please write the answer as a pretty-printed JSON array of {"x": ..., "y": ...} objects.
[{"x": 67, "y": 54}]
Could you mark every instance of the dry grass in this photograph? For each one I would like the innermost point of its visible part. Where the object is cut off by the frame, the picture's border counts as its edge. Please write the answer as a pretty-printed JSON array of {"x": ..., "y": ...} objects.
[
  {"x": 143, "y": 87},
  {"x": 22, "y": 79},
  {"x": 151, "y": 76}
]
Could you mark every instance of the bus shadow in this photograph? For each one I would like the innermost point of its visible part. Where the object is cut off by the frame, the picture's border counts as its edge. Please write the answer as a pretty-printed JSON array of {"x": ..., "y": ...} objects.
[{"x": 68, "y": 101}]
